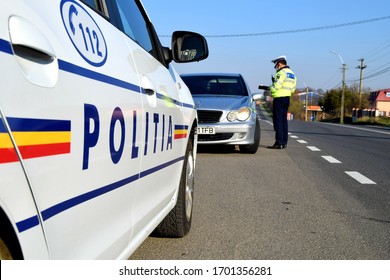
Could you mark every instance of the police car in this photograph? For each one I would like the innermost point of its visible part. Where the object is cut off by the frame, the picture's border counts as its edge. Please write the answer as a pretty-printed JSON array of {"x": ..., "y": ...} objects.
[{"x": 97, "y": 130}]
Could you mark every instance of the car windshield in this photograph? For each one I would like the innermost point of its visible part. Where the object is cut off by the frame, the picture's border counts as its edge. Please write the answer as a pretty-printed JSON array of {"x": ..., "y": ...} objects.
[{"x": 216, "y": 85}]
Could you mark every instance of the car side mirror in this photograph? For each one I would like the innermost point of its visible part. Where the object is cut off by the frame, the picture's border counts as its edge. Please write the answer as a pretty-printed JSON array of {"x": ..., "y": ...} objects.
[
  {"x": 257, "y": 96},
  {"x": 188, "y": 47}
]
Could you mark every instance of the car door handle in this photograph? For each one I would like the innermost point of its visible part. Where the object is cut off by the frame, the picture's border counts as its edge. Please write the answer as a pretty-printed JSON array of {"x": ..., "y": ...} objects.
[
  {"x": 148, "y": 85},
  {"x": 33, "y": 52},
  {"x": 149, "y": 91},
  {"x": 28, "y": 42}
]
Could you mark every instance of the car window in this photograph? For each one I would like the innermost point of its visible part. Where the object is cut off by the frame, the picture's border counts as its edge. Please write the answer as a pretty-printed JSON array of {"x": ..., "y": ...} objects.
[
  {"x": 134, "y": 24},
  {"x": 94, "y": 4},
  {"x": 215, "y": 85}
]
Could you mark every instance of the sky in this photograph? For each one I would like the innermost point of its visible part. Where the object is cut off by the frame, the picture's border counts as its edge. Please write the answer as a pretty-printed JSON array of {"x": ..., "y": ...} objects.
[{"x": 244, "y": 36}]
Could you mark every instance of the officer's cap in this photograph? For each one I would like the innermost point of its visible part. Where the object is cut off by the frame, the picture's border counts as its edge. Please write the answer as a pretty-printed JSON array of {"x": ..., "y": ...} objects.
[{"x": 278, "y": 59}]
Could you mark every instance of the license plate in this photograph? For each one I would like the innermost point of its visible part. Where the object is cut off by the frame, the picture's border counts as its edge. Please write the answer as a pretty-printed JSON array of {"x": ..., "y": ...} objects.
[{"x": 206, "y": 130}]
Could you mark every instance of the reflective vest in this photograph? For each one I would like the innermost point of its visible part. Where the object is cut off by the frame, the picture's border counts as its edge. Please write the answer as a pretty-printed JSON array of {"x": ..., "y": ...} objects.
[{"x": 284, "y": 83}]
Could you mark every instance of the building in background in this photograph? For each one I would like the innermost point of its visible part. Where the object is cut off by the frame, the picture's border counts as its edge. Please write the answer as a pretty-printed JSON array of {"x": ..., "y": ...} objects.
[{"x": 379, "y": 103}]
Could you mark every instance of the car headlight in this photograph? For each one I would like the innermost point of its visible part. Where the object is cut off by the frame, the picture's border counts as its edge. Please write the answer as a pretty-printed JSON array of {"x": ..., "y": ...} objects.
[{"x": 241, "y": 114}]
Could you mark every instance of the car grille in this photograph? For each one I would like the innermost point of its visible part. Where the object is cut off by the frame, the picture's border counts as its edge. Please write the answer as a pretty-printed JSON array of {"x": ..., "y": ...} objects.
[
  {"x": 206, "y": 116},
  {"x": 214, "y": 137}
]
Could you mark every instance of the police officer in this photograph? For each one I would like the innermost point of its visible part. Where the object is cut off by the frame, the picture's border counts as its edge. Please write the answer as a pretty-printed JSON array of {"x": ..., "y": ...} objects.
[{"x": 283, "y": 85}]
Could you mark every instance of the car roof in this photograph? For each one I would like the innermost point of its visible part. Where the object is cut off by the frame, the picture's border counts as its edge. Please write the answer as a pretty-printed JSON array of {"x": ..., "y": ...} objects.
[{"x": 212, "y": 74}]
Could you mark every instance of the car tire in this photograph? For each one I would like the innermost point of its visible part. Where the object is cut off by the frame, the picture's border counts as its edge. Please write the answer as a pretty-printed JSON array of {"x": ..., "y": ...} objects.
[
  {"x": 178, "y": 222},
  {"x": 252, "y": 149}
]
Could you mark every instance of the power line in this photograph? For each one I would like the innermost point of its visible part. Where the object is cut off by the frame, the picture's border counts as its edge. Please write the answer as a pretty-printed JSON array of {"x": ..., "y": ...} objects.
[
  {"x": 378, "y": 73},
  {"x": 376, "y": 50},
  {"x": 378, "y": 53},
  {"x": 296, "y": 30},
  {"x": 331, "y": 80},
  {"x": 373, "y": 74},
  {"x": 381, "y": 54}
]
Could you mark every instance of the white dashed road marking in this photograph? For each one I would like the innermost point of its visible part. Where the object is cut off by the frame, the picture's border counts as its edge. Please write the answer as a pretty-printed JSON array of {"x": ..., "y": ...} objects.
[
  {"x": 331, "y": 159},
  {"x": 360, "y": 178},
  {"x": 354, "y": 174}
]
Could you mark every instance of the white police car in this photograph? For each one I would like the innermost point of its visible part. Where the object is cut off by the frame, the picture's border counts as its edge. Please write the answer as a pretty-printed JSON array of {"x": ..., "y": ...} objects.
[{"x": 97, "y": 130}]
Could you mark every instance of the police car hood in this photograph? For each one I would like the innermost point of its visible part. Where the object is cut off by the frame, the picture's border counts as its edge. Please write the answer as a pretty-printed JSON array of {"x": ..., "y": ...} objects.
[{"x": 220, "y": 102}]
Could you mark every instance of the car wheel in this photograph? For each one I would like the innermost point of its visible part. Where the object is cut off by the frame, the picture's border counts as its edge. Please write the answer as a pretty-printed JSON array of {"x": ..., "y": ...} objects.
[
  {"x": 4, "y": 251},
  {"x": 178, "y": 222},
  {"x": 252, "y": 149}
]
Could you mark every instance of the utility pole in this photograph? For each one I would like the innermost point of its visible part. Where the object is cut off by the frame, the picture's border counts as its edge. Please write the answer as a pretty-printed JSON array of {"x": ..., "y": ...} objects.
[
  {"x": 361, "y": 67},
  {"x": 343, "y": 95},
  {"x": 343, "y": 88},
  {"x": 306, "y": 100}
]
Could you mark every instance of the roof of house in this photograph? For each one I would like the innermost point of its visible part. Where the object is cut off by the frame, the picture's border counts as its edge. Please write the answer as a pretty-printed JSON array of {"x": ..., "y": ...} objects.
[{"x": 380, "y": 95}]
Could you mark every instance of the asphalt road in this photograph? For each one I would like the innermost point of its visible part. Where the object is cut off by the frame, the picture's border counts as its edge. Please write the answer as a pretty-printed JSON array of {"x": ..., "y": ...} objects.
[{"x": 327, "y": 196}]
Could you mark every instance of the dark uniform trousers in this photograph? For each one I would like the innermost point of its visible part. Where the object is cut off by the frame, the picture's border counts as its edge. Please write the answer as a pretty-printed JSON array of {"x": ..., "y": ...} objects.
[{"x": 279, "y": 111}]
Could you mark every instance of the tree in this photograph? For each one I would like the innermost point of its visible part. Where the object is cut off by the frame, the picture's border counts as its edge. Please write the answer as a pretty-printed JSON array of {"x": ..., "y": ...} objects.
[
  {"x": 331, "y": 102},
  {"x": 320, "y": 91},
  {"x": 296, "y": 107}
]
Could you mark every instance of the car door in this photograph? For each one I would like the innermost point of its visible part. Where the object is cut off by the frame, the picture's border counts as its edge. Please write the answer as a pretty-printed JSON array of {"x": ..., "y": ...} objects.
[
  {"x": 165, "y": 121},
  {"x": 73, "y": 95}
]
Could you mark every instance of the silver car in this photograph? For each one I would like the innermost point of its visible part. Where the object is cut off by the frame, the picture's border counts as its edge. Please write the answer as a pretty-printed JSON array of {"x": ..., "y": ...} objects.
[{"x": 226, "y": 110}]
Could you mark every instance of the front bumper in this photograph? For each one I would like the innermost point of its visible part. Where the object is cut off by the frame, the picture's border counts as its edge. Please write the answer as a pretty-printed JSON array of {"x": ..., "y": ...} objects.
[{"x": 229, "y": 133}]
